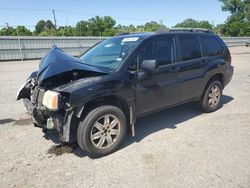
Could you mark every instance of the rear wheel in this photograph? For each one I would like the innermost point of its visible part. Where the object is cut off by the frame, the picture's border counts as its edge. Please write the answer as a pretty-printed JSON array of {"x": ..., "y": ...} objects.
[
  {"x": 102, "y": 131},
  {"x": 211, "y": 98}
]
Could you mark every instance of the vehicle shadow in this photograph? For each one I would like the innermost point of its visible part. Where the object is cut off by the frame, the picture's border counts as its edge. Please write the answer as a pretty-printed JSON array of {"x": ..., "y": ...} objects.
[{"x": 166, "y": 119}]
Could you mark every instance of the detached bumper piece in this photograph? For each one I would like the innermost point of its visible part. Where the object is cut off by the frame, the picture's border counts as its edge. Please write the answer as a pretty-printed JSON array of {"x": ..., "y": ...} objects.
[{"x": 61, "y": 121}]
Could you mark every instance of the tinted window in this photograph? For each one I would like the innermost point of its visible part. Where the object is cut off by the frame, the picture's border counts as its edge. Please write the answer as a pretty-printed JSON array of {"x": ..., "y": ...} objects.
[
  {"x": 190, "y": 47},
  {"x": 161, "y": 50},
  {"x": 211, "y": 46}
]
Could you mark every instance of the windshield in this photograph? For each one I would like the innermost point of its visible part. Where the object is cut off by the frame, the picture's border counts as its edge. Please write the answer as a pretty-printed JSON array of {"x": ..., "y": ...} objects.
[{"x": 110, "y": 53}]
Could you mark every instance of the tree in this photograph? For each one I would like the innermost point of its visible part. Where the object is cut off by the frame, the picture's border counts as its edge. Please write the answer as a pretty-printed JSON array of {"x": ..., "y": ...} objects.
[
  {"x": 66, "y": 31},
  {"x": 49, "y": 25},
  {"x": 19, "y": 30},
  {"x": 96, "y": 26},
  {"x": 123, "y": 29},
  {"x": 8, "y": 31},
  {"x": 152, "y": 26},
  {"x": 45, "y": 27},
  {"x": 82, "y": 28},
  {"x": 23, "y": 31},
  {"x": 40, "y": 26},
  {"x": 191, "y": 23},
  {"x": 140, "y": 28},
  {"x": 108, "y": 22},
  {"x": 99, "y": 24},
  {"x": 109, "y": 32},
  {"x": 238, "y": 24},
  {"x": 247, "y": 9},
  {"x": 233, "y": 6}
]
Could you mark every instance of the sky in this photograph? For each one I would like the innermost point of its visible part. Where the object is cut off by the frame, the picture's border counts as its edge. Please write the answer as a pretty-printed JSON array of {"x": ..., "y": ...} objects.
[{"x": 126, "y": 12}]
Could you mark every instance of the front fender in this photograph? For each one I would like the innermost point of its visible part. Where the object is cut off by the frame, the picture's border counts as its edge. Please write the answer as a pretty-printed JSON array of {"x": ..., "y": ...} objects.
[{"x": 24, "y": 90}]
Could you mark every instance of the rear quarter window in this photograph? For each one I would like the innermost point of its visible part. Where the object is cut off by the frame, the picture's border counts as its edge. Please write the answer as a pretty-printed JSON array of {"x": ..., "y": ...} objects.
[
  {"x": 211, "y": 46},
  {"x": 190, "y": 47}
]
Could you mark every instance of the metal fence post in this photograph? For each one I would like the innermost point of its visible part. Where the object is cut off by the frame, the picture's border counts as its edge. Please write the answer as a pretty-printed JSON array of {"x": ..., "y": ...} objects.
[{"x": 20, "y": 45}]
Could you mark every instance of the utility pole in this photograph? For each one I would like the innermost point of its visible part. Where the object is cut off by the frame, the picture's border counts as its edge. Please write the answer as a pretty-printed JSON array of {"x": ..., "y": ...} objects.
[
  {"x": 7, "y": 25},
  {"x": 19, "y": 43},
  {"x": 54, "y": 15}
]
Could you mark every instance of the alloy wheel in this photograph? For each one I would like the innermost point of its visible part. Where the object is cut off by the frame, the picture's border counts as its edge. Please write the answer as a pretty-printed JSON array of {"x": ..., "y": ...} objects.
[
  {"x": 214, "y": 96},
  {"x": 105, "y": 131}
]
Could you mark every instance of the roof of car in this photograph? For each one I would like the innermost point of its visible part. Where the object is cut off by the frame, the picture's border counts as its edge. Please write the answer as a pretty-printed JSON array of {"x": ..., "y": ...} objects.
[
  {"x": 143, "y": 34},
  {"x": 167, "y": 31}
]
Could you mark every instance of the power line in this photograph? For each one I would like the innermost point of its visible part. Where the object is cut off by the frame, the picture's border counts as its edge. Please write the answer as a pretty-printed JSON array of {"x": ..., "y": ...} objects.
[
  {"x": 83, "y": 14},
  {"x": 23, "y": 9},
  {"x": 92, "y": 15}
]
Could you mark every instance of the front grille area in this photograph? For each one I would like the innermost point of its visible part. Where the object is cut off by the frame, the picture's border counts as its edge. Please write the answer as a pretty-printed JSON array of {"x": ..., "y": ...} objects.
[{"x": 37, "y": 96}]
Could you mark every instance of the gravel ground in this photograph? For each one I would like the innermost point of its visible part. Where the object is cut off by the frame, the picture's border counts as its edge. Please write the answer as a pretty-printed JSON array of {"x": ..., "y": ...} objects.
[{"x": 179, "y": 147}]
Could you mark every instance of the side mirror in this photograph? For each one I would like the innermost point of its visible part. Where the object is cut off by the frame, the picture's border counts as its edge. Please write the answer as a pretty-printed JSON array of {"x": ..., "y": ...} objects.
[{"x": 149, "y": 65}]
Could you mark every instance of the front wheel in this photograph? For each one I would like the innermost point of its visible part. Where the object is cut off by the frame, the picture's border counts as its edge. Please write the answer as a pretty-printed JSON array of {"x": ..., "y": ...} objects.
[
  {"x": 211, "y": 98},
  {"x": 102, "y": 131}
]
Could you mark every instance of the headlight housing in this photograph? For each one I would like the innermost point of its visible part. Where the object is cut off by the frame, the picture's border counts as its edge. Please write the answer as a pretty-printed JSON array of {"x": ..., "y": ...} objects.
[{"x": 51, "y": 100}]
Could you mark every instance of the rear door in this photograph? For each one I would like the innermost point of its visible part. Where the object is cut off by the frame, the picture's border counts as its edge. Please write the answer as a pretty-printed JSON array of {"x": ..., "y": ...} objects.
[{"x": 192, "y": 65}]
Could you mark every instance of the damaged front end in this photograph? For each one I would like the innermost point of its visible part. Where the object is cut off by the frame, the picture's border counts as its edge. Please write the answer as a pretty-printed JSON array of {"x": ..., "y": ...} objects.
[
  {"x": 48, "y": 109},
  {"x": 49, "y": 106}
]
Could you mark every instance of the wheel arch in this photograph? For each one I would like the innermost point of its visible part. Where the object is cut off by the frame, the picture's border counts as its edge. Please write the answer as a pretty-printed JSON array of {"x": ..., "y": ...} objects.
[
  {"x": 114, "y": 100},
  {"x": 81, "y": 112},
  {"x": 216, "y": 76}
]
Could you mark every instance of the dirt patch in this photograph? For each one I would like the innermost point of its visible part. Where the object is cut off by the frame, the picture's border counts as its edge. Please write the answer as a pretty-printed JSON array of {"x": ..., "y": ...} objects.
[
  {"x": 5, "y": 121},
  {"x": 148, "y": 158},
  {"x": 62, "y": 148},
  {"x": 26, "y": 121}
]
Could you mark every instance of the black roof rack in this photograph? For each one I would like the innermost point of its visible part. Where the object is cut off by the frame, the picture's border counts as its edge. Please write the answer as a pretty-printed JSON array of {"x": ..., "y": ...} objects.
[{"x": 178, "y": 29}]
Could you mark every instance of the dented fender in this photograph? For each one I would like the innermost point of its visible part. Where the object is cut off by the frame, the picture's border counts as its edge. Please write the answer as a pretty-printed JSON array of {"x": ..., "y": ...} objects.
[{"x": 24, "y": 90}]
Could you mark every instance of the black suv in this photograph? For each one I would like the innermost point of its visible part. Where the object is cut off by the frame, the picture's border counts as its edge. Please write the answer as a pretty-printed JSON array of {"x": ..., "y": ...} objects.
[{"x": 95, "y": 98}]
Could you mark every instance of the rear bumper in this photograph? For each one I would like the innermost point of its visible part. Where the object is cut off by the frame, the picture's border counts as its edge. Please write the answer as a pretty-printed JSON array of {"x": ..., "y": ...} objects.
[
  {"x": 47, "y": 119},
  {"x": 229, "y": 75}
]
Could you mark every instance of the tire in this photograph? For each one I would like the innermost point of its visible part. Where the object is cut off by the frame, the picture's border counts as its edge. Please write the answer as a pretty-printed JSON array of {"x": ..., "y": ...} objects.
[
  {"x": 211, "y": 98},
  {"x": 102, "y": 131}
]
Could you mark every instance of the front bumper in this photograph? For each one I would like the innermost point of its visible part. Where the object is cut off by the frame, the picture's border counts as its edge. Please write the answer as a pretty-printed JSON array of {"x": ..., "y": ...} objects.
[{"x": 42, "y": 117}]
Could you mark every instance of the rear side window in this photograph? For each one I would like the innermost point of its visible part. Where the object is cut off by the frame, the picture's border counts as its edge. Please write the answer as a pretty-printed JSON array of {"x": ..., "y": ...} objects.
[
  {"x": 211, "y": 46},
  {"x": 190, "y": 47},
  {"x": 161, "y": 50}
]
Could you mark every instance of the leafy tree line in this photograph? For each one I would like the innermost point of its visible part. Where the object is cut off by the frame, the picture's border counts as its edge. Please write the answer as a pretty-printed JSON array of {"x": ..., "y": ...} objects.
[
  {"x": 237, "y": 24},
  {"x": 97, "y": 26}
]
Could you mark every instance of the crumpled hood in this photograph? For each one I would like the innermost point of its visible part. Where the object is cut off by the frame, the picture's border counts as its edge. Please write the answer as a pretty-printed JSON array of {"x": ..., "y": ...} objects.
[{"x": 56, "y": 62}]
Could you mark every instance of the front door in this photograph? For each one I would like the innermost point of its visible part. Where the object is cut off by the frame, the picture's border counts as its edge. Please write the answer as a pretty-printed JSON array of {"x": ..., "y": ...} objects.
[{"x": 161, "y": 88}]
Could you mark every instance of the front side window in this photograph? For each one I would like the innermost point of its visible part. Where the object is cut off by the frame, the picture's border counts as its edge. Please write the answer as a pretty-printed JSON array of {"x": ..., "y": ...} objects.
[
  {"x": 190, "y": 47},
  {"x": 211, "y": 46},
  {"x": 110, "y": 53},
  {"x": 161, "y": 50}
]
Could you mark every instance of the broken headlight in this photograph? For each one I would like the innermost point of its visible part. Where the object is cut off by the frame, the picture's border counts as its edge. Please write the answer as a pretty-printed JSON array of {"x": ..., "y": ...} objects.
[{"x": 51, "y": 100}]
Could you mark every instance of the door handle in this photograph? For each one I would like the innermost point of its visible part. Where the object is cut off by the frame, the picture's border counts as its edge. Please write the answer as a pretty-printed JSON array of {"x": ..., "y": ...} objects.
[
  {"x": 174, "y": 69},
  {"x": 204, "y": 61}
]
